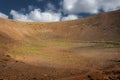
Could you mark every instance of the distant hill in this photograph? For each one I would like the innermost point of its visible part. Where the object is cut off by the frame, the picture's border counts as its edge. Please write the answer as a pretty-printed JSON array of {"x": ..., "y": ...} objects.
[{"x": 102, "y": 27}]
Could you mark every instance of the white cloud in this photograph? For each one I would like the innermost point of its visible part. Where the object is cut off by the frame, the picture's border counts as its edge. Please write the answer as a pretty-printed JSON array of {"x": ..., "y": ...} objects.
[
  {"x": 109, "y": 5},
  {"x": 70, "y": 7},
  {"x": 19, "y": 16},
  {"x": 89, "y": 6},
  {"x": 70, "y": 17},
  {"x": 3, "y": 15},
  {"x": 36, "y": 15},
  {"x": 80, "y": 6}
]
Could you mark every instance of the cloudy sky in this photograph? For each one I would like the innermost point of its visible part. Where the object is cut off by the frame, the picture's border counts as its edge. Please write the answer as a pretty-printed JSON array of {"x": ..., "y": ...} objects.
[{"x": 54, "y": 10}]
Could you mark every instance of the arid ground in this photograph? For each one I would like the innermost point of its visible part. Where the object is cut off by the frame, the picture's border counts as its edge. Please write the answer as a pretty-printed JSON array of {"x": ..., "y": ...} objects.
[{"x": 86, "y": 49}]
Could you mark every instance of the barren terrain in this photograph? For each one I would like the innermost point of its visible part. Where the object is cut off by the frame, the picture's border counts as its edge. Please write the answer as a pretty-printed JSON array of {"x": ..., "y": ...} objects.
[{"x": 86, "y": 49}]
